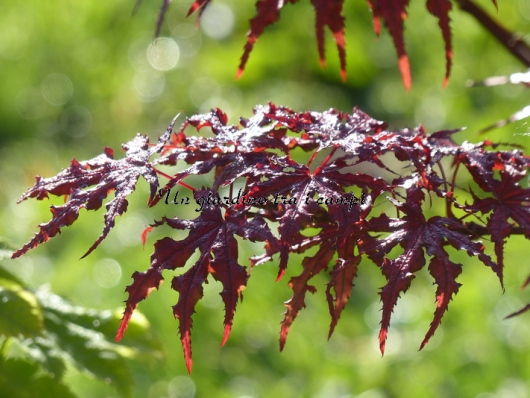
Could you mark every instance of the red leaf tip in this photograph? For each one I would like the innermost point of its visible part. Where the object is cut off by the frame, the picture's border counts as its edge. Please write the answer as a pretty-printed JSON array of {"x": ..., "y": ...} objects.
[
  {"x": 382, "y": 340},
  {"x": 226, "y": 334},
  {"x": 281, "y": 273},
  {"x": 144, "y": 234},
  {"x": 123, "y": 325},
  {"x": 186, "y": 347},
  {"x": 404, "y": 68},
  {"x": 343, "y": 75},
  {"x": 283, "y": 339}
]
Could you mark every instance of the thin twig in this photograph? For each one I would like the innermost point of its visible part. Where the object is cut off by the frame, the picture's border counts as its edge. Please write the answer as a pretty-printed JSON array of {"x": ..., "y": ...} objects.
[{"x": 511, "y": 41}]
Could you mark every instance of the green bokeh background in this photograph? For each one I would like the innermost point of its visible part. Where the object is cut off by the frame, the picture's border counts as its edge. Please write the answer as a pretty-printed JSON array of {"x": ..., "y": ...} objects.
[{"x": 75, "y": 77}]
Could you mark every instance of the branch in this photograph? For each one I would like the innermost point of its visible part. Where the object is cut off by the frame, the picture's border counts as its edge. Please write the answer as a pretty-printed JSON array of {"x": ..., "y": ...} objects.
[
  {"x": 511, "y": 41},
  {"x": 483, "y": 231}
]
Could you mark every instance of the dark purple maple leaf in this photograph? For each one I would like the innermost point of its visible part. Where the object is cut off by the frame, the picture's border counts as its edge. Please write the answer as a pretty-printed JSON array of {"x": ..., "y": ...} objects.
[
  {"x": 394, "y": 13},
  {"x": 418, "y": 236},
  {"x": 295, "y": 186},
  {"x": 441, "y": 9},
  {"x": 350, "y": 231},
  {"x": 509, "y": 201},
  {"x": 268, "y": 12},
  {"x": 299, "y": 284},
  {"x": 105, "y": 175},
  {"x": 330, "y": 13},
  {"x": 213, "y": 234},
  {"x": 339, "y": 235}
]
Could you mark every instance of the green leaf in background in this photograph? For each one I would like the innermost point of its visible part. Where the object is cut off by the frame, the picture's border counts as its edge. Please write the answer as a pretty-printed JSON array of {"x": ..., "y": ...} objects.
[
  {"x": 20, "y": 312},
  {"x": 103, "y": 322},
  {"x": 16, "y": 373},
  {"x": 6, "y": 250},
  {"x": 59, "y": 335}
]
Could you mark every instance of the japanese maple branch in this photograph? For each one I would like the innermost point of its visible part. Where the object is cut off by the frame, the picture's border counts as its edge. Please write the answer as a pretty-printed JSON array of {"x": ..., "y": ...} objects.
[
  {"x": 480, "y": 230},
  {"x": 511, "y": 41}
]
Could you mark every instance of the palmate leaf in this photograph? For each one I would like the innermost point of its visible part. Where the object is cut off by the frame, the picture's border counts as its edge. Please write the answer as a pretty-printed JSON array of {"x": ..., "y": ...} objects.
[
  {"x": 509, "y": 201},
  {"x": 268, "y": 12},
  {"x": 350, "y": 232},
  {"x": 394, "y": 13},
  {"x": 299, "y": 284},
  {"x": 213, "y": 234},
  {"x": 329, "y": 13},
  {"x": 338, "y": 237},
  {"x": 299, "y": 186},
  {"x": 440, "y": 9},
  {"x": 419, "y": 236},
  {"x": 107, "y": 175}
]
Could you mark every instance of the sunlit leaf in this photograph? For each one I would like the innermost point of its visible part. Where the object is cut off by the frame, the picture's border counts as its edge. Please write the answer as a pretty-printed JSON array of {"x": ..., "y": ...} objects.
[{"x": 20, "y": 312}]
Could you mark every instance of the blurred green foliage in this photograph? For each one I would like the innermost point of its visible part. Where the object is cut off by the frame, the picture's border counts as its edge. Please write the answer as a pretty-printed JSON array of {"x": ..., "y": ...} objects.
[
  {"x": 41, "y": 335},
  {"x": 77, "y": 76}
]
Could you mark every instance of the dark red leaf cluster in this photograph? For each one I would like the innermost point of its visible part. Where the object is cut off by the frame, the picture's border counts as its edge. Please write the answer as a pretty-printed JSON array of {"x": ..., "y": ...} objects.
[{"x": 342, "y": 184}]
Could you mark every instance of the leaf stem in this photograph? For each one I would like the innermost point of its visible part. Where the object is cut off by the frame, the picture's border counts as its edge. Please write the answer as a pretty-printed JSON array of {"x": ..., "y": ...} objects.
[
  {"x": 325, "y": 161},
  {"x": 312, "y": 158},
  {"x": 448, "y": 207},
  {"x": 182, "y": 184}
]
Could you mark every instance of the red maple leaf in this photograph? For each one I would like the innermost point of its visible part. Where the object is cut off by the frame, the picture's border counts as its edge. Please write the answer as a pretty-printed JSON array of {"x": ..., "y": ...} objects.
[
  {"x": 294, "y": 187},
  {"x": 213, "y": 234},
  {"x": 394, "y": 13},
  {"x": 329, "y": 13},
  {"x": 509, "y": 201},
  {"x": 440, "y": 9},
  {"x": 418, "y": 236},
  {"x": 268, "y": 12},
  {"x": 339, "y": 236},
  {"x": 107, "y": 175}
]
